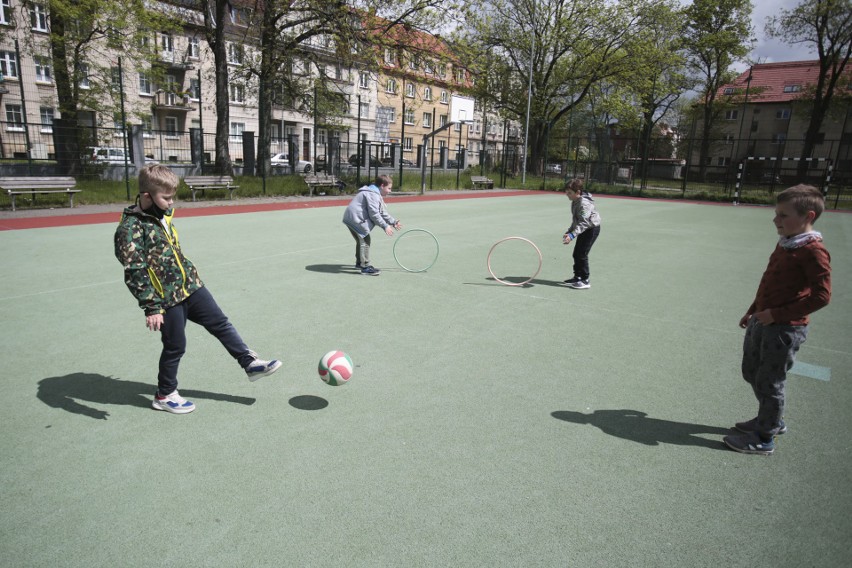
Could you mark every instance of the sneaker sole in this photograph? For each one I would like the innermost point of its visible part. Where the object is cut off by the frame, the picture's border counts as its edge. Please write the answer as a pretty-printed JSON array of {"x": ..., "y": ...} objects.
[
  {"x": 748, "y": 451},
  {"x": 575, "y": 287},
  {"x": 166, "y": 408},
  {"x": 783, "y": 430},
  {"x": 255, "y": 376}
]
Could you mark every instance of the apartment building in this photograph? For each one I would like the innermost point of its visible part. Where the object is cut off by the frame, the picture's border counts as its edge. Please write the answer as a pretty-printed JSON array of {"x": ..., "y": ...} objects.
[
  {"x": 764, "y": 117},
  {"x": 172, "y": 94}
]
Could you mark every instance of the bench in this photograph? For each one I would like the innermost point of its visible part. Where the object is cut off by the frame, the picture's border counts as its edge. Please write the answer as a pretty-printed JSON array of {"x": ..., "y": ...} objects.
[
  {"x": 200, "y": 183},
  {"x": 15, "y": 186},
  {"x": 481, "y": 182},
  {"x": 320, "y": 181}
]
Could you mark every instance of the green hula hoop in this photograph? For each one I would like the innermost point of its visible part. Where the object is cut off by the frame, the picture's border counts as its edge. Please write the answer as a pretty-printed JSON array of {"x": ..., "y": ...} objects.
[{"x": 434, "y": 260}]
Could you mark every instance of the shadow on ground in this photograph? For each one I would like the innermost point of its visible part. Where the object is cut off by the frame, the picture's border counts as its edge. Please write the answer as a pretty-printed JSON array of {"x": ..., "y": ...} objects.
[
  {"x": 72, "y": 392},
  {"x": 638, "y": 427},
  {"x": 333, "y": 268},
  {"x": 308, "y": 402}
]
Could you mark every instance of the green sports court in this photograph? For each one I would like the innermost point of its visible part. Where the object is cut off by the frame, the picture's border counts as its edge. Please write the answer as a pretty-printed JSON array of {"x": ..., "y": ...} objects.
[{"x": 485, "y": 424}]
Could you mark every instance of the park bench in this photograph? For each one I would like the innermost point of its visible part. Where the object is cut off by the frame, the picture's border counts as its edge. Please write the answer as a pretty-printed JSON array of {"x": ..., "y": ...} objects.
[
  {"x": 15, "y": 186},
  {"x": 481, "y": 182},
  {"x": 201, "y": 183},
  {"x": 322, "y": 180}
]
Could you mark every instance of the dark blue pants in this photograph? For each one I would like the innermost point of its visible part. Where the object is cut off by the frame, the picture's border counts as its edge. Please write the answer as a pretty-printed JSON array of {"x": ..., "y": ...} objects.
[
  {"x": 582, "y": 246},
  {"x": 768, "y": 353},
  {"x": 202, "y": 309}
]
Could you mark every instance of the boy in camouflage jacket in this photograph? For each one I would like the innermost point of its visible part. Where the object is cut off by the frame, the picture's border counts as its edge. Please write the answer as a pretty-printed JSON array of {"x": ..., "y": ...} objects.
[{"x": 168, "y": 288}]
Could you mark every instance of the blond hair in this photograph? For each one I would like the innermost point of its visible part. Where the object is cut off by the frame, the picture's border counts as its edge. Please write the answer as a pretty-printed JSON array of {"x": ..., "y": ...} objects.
[
  {"x": 803, "y": 198},
  {"x": 157, "y": 178}
]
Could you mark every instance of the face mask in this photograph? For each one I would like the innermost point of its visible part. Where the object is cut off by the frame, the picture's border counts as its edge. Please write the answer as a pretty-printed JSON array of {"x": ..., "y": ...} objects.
[{"x": 155, "y": 211}]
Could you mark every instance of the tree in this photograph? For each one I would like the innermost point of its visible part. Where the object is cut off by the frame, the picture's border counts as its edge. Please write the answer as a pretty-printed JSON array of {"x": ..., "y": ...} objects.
[
  {"x": 717, "y": 35},
  {"x": 827, "y": 25},
  {"x": 555, "y": 51}
]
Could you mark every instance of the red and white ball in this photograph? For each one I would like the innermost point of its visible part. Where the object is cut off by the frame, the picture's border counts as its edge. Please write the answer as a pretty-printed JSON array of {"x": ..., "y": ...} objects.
[{"x": 335, "y": 368}]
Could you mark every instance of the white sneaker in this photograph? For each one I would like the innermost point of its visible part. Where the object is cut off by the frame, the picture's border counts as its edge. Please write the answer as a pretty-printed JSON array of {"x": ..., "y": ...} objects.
[
  {"x": 260, "y": 368},
  {"x": 173, "y": 403}
]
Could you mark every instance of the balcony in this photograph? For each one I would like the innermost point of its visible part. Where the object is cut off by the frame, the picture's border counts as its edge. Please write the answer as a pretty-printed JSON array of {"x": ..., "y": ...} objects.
[
  {"x": 172, "y": 101},
  {"x": 173, "y": 61}
]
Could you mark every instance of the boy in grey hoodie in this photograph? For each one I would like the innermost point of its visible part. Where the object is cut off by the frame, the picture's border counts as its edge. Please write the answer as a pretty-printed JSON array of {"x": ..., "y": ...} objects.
[
  {"x": 585, "y": 228},
  {"x": 365, "y": 211}
]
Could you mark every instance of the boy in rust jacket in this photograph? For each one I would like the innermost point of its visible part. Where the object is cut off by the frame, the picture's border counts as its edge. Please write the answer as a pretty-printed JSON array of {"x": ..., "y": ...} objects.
[
  {"x": 796, "y": 283},
  {"x": 168, "y": 288}
]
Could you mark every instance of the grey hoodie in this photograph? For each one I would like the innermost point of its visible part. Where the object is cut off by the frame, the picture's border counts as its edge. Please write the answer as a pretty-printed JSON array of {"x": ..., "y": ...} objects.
[
  {"x": 584, "y": 215},
  {"x": 366, "y": 210}
]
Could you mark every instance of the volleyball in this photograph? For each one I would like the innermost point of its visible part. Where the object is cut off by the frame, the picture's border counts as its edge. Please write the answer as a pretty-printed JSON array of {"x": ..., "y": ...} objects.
[{"x": 335, "y": 368}]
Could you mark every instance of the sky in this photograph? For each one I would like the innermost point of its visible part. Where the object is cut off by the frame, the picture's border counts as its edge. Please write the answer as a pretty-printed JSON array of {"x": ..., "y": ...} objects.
[{"x": 771, "y": 51}]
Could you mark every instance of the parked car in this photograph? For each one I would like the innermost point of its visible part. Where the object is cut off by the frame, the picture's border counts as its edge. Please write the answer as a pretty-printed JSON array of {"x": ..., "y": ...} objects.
[
  {"x": 388, "y": 162},
  {"x": 453, "y": 164},
  {"x": 553, "y": 168},
  {"x": 284, "y": 160},
  {"x": 369, "y": 162},
  {"x": 107, "y": 155}
]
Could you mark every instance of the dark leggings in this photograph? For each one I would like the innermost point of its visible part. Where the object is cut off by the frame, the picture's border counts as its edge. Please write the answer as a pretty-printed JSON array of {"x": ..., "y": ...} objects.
[
  {"x": 581, "y": 251},
  {"x": 202, "y": 309}
]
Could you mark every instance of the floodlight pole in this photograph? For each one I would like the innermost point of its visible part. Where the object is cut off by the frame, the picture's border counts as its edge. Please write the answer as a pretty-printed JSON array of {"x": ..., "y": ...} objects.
[
  {"x": 426, "y": 138},
  {"x": 529, "y": 103}
]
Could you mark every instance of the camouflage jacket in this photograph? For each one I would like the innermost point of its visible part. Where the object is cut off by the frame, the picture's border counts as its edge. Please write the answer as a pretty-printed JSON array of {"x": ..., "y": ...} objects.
[{"x": 155, "y": 270}]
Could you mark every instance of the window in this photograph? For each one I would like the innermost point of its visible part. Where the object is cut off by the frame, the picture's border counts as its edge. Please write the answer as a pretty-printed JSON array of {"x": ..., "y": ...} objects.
[
  {"x": 442, "y": 70},
  {"x": 364, "y": 80},
  {"x": 779, "y": 138},
  {"x": 194, "y": 89},
  {"x": 43, "y": 69},
  {"x": 5, "y": 12},
  {"x": 118, "y": 126},
  {"x": 388, "y": 56},
  {"x": 83, "y": 73},
  {"x": 428, "y": 68},
  {"x": 147, "y": 126},
  {"x": 235, "y": 54},
  {"x": 46, "y": 119},
  {"x": 171, "y": 126},
  {"x": 729, "y": 90},
  {"x": 445, "y": 98},
  {"x": 167, "y": 44},
  {"x": 731, "y": 114},
  {"x": 792, "y": 88},
  {"x": 408, "y": 144},
  {"x": 754, "y": 126},
  {"x": 409, "y": 90},
  {"x": 193, "y": 50},
  {"x": 115, "y": 76},
  {"x": 322, "y": 137},
  {"x": 364, "y": 110},
  {"x": 414, "y": 62},
  {"x": 457, "y": 126},
  {"x": 14, "y": 117},
  {"x": 38, "y": 17},
  {"x": 238, "y": 93},
  {"x": 442, "y": 121},
  {"x": 460, "y": 75},
  {"x": 144, "y": 84},
  {"x": 782, "y": 114},
  {"x": 427, "y": 93},
  {"x": 729, "y": 138},
  {"x": 391, "y": 86},
  {"x": 723, "y": 161},
  {"x": 237, "y": 129},
  {"x": 391, "y": 114},
  {"x": 239, "y": 16},
  {"x": 8, "y": 64},
  {"x": 409, "y": 116},
  {"x": 427, "y": 120}
]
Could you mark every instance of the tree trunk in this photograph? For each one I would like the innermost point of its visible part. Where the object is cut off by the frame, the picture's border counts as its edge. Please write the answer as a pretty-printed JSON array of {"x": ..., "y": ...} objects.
[
  {"x": 222, "y": 164},
  {"x": 68, "y": 150},
  {"x": 266, "y": 91}
]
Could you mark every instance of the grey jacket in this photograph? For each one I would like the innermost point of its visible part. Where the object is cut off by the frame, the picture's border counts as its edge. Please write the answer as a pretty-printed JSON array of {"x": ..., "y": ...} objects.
[
  {"x": 366, "y": 210},
  {"x": 584, "y": 215}
]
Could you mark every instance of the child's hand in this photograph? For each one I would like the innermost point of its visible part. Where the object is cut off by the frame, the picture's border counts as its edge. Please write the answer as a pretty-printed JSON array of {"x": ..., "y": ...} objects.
[
  {"x": 398, "y": 225},
  {"x": 566, "y": 239},
  {"x": 389, "y": 231},
  {"x": 744, "y": 321},
  {"x": 154, "y": 322},
  {"x": 765, "y": 317}
]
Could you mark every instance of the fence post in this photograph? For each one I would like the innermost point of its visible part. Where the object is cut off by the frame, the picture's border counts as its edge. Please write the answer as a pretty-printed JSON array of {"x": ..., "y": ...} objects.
[
  {"x": 248, "y": 153},
  {"x": 738, "y": 183},
  {"x": 196, "y": 149}
]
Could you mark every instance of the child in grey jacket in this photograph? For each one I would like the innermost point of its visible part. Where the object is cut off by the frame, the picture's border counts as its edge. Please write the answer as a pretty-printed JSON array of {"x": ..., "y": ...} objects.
[
  {"x": 365, "y": 211},
  {"x": 585, "y": 228}
]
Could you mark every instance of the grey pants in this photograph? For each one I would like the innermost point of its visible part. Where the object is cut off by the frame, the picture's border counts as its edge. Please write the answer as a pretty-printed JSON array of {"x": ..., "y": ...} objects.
[
  {"x": 362, "y": 249},
  {"x": 769, "y": 351}
]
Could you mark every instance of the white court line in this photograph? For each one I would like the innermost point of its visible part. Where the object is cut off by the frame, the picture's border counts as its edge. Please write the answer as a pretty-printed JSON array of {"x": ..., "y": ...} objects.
[{"x": 58, "y": 290}]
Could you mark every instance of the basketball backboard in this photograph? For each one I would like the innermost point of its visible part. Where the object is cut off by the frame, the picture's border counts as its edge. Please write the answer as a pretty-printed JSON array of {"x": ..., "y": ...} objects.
[{"x": 461, "y": 109}]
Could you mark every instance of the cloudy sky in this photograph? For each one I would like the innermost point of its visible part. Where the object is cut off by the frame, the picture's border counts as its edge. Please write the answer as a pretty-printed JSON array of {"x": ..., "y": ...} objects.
[{"x": 769, "y": 51}]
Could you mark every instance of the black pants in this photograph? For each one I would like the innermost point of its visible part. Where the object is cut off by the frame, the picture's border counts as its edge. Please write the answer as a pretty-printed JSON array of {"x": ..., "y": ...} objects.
[
  {"x": 582, "y": 246},
  {"x": 202, "y": 309}
]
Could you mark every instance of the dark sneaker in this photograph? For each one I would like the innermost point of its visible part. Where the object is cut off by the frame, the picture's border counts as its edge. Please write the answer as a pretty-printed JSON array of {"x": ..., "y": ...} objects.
[
  {"x": 173, "y": 403},
  {"x": 572, "y": 280},
  {"x": 749, "y": 444},
  {"x": 371, "y": 271},
  {"x": 579, "y": 285},
  {"x": 260, "y": 368},
  {"x": 750, "y": 426},
  {"x": 358, "y": 267}
]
